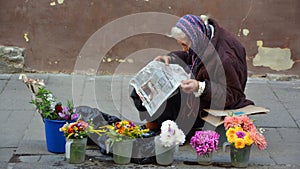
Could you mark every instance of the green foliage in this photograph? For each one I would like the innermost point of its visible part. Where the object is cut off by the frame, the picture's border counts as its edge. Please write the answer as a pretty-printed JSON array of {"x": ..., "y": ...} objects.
[{"x": 44, "y": 102}]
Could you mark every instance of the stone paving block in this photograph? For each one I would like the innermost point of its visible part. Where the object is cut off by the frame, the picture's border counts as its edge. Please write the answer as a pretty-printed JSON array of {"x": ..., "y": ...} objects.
[
  {"x": 6, "y": 154},
  {"x": 40, "y": 76},
  {"x": 17, "y": 121},
  {"x": 285, "y": 153},
  {"x": 52, "y": 158},
  {"x": 9, "y": 139},
  {"x": 2, "y": 85},
  {"x": 3, "y": 165},
  {"x": 30, "y": 158},
  {"x": 34, "y": 141},
  {"x": 275, "y": 117},
  {"x": 33, "y": 147},
  {"x": 5, "y": 76},
  {"x": 16, "y": 100},
  {"x": 15, "y": 127},
  {"x": 264, "y": 96},
  {"x": 4, "y": 114},
  {"x": 290, "y": 135},
  {"x": 272, "y": 135}
]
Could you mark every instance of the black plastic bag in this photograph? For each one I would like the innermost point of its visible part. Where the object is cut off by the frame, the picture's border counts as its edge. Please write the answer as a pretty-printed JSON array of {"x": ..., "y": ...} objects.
[
  {"x": 99, "y": 119},
  {"x": 144, "y": 149}
]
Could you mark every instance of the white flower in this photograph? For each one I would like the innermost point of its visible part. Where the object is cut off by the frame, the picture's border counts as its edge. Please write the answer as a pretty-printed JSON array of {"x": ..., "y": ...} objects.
[
  {"x": 171, "y": 134},
  {"x": 166, "y": 125}
]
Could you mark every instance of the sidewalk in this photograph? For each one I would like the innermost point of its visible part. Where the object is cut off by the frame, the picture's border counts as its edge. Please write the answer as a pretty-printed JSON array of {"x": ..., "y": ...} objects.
[{"x": 22, "y": 140}]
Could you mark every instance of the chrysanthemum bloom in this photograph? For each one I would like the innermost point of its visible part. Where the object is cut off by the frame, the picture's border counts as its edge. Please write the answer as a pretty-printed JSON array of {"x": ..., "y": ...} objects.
[
  {"x": 247, "y": 123},
  {"x": 231, "y": 121},
  {"x": 259, "y": 140}
]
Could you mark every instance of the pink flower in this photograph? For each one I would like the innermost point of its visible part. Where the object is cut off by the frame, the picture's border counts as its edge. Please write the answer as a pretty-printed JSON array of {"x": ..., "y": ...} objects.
[
  {"x": 232, "y": 121},
  {"x": 258, "y": 139},
  {"x": 247, "y": 123}
]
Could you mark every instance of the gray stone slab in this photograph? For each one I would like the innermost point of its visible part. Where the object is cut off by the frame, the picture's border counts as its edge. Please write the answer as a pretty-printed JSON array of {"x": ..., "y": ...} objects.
[
  {"x": 15, "y": 127},
  {"x": 41, "y": 76},
  {"x": 16, "y": 100},
  {"x": 264, "y": 96},
  {"x": 10, "y": 138},
  {"x": 272, "y": 135},
  {"x": 30, "y": 158},
  {"x": 6, "y": 154},
  {"x": 2, "y": 84},
  {"x": 52, "y": 158},
  {"x": 4, "y": 116},
  {"x": 290, "y": 135},
  {"x": 5, "y": 76},
  {"x": 285, "y": 153},
  {"x": 3, "y": 165},
  {"x": 34, "y": 141}
]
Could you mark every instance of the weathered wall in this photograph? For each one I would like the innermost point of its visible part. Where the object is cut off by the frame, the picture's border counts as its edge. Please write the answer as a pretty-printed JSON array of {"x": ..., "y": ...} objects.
[{"x": 53, "y": 35}]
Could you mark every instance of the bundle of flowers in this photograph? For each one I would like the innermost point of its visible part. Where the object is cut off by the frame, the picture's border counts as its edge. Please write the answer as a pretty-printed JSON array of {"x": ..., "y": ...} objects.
[
  {"x": 242, "y": 132},
  {"x": 170, "y": 134},
  {"x": 49, "y": 108},
  {"x": 123, "y": 130},
  {"x": 79, "y": 129},
  {"x": 205, "y": 142}
]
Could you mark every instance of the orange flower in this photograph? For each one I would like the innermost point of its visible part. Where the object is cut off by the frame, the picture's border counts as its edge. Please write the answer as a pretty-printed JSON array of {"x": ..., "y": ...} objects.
[{"x": 118, "y": 125}]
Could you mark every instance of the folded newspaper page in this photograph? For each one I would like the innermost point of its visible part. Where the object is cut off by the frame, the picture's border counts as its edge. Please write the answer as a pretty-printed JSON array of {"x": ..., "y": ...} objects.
[{"x": 156, "y": 82}]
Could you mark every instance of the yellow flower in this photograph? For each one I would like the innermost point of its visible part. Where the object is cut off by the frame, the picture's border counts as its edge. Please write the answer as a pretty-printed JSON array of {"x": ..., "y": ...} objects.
[
  {"x": 248, "y": 140},
  {"x": 239, "y": 143},
  {"x": 237, "y": 128},
  {"x": 231, "y": 138},
  {"x": 230, "y": 131},
  {"x": 125, "y": 122}
]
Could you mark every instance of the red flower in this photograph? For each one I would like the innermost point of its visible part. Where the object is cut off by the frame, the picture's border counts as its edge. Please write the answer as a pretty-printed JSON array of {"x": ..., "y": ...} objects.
[{"x": 58, "y": 108}]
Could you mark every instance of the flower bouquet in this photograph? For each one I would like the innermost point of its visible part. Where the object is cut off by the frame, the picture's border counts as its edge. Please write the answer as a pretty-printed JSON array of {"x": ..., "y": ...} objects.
[
  {"x": 170, "y": 137},
  {"x": 205, "y": 143},
  {"x": 120, "y": 136},
  {"x": 48, "y": 108},
  {"x": 53, "y": 113},
  {"x": 76, "y": 134},
  {"x": 241, "y": 134}
]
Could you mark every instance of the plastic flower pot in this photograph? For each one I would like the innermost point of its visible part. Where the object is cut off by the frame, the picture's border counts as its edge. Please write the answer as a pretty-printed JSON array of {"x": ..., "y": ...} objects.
[
  {"x": 164, "y": 155},
  {"x": 55, "y": 139},
  {"x": 75, "y": 150},
  {"x": 122, "y": 151},
  {"x": 205, "y": 159},
  {"x": 239, "y": 157}
]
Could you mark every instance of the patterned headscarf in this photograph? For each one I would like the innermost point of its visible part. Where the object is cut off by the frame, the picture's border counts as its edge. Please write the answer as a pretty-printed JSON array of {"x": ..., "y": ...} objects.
[{"x": 196, "y": 31}]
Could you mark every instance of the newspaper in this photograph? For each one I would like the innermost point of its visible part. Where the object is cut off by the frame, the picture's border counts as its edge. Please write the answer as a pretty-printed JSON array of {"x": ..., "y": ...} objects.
[{"x": 156, "y": 82}]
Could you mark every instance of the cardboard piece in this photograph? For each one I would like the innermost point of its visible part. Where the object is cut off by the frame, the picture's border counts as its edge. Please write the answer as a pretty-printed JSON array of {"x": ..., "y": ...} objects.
[{"x": 216, "y": 117}]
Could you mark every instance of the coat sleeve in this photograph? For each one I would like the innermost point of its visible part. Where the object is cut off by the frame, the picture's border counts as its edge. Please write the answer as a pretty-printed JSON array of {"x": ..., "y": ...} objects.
[{"x": 224, "y": 89}]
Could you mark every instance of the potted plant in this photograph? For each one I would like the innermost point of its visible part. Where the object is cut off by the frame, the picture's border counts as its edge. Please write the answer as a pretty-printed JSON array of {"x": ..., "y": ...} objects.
[
  {"x": 53, "y": 113},
  {"x": 241, "y": 134},
  {"x": 120, "y": 136},
  {"x": 205, "y": 143},
  {"x": 166, "y": 143},
  {"x": 76, "y": 134}
]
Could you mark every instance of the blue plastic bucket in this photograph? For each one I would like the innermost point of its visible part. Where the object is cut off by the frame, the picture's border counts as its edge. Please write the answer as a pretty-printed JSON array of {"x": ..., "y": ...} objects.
[{"x": 55, "y": 139}]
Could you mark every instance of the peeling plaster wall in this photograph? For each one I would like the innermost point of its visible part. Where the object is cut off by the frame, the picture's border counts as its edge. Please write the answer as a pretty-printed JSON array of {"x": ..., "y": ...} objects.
[
  {"x": 53, "y": 31},
  {"x": 274, "y": 58}
]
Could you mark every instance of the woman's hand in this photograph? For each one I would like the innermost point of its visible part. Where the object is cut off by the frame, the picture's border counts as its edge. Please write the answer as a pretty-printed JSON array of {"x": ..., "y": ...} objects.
[
  {"x": 189, "y": 86},
  {"x": 165, "y": 59}
]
